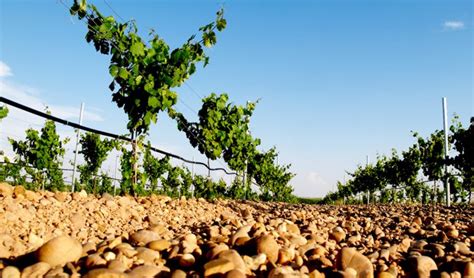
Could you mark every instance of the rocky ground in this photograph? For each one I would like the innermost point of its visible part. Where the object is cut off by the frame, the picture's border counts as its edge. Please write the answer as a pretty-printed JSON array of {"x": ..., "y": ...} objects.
[{"x": 47, "y": 234}]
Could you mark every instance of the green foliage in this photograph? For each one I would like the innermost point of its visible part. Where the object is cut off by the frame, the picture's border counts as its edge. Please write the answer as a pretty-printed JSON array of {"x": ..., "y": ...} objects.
[
  {"x": 273, "y": 179},
  {"x": 3, "y": 111},
  {"x": 309, "y": 201},
  {"x": 12, "y": 171},
  {"x": 154, "y": 168},
  {"x": 127, "y": 172},
  {"x": 432, "y": 154},
  {"x": 397, "y": 178},
  {"x": 237, "y": 190},
  {"x": 463, "y": 140},
  {"x": 40, "y": 156},
  {"x": 94, "y": 151},
  {"x": 144, "y": 73},
  {"x": 222, "y": 131}
]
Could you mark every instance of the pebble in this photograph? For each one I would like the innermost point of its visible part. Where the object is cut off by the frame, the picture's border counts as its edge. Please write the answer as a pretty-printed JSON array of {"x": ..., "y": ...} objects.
[
  {"x": 59, "y": 251},
  {"x": 268, "y": 246},
  {"x": 422, "y": 266},
  {"x": 337, "y": 234},
  {"x": 351, "y": 258},
  {"x": 10, "y": 272},
  {"x": 160, "y": 236},
  {"x": 105, "y": 273},
  {"x": 217, "y": 266},
  {"x": 36, "y": 270},
  {"x": 143, "y": 237},
  {"x": 146, "y": 271},
  {"x": 6, "y": 189}
]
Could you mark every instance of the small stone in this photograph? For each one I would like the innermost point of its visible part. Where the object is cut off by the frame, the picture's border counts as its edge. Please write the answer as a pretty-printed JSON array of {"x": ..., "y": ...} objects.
[
  {"x": 350, "y": 272},
  {"x": 235, "y": 273},
  {"x": 337, "y": 234},
  {"x": 241, "y": 232},
  {"x": 145, "y": 271},
  {"x": 385, "y": 274},
  {"x": 83, "y": 194},
  {"x": 6, "y": 189},
  {"x": 187, "y": 260},
  {"x": 462, "y": 248},
  {"x": 61, "y": 196},
  {"x": 19, "y": 191},
  {"x": 143, "y": 237},
  {"x": 469, "y": 269},
  {"x": 118, "y": 265},
  {"x": 235, "y": 258},
  {"x": 78, "y": 221},
  {"x": 216, "y": 250},
  {"x": 316, "y": 274},
  {"x": 36, "y": 270},
  {"x": 60, "y": 250},
  {"x": 216, "y": 266},
  {"x": 422, "y": 266},
  {"x": 94, "y": 261},
  {"x": 35, "y": 241},
  {"x": 286, "y": 255},
  {"x": 268, "y": 245},
  {"x": 293, "y": 229},
  {"x": 10, "y": 272},
  {"x": 105, "y": 273},
  {"x": 109, "y": 256},
  {"x": 283, "y": 272},
  {"x": 159, "y": 245},
  {"x": 351, "y": 258},
  {"x": 453, "y": 233},
  {"x": 178, "y": 273},
  {"x": 149, "y": 256}
]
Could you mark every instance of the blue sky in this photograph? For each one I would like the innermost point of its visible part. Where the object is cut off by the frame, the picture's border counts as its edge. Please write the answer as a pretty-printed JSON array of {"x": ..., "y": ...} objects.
[{"x": 338, "y": 80}]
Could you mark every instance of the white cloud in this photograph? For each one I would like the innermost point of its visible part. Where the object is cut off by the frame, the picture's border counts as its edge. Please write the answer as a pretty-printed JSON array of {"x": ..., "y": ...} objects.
[
  {"x": 453, "y": 25},
  {"x": 314, "y": 178},
  {"x": 32, "y": 97},
  {"x": 5, "y": 70},
  {"x": 18, "y": 121}
]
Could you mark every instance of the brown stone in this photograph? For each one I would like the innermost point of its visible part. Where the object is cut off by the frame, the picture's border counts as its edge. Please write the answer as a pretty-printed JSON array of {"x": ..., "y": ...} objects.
[
  {"x": 105, "y": 273},
  {"x": 469, "y": 269},
  {"x": 143, "y": 237},
  {"x": 337, "y": 234},
  {"x": 187, "y": 260},
  {"x": 36, "y": 270},
  {"x": 94, "y": 261},
  {"x": 19, "y": 191},
  {"x": 217, "y": 266},
  {"x": 268, "y": 245},
  {"x": 178, "y": 273},
  {"x": 422, "y": 266},
  {"x": 10, "y": 272},
  {"x": 145, "y": 271},
  {"x": 148, "y": 255},
  {"x": 286, "y": 255},
  {"x": 235, "y": 273},
  {"x": 60, "y": 250},
  {"x": 351, "y": 258},
  {"x": 159, "y": 245},
  {"x": 235, "y": 258},
  {"x": 6, "y": 189},
  {"x": 385, "y": 275},
  {"x": 61, "y": 196}
]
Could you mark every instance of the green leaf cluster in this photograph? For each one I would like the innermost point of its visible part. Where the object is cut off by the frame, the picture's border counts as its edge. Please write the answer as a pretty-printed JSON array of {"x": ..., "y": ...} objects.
[
  {"x": 144, "y": 73},
  {"x": 40, "y": 155},
  {"x": 95, "y": 151}
]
